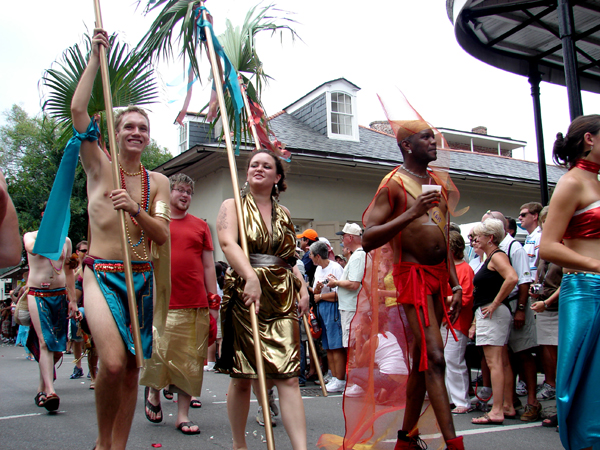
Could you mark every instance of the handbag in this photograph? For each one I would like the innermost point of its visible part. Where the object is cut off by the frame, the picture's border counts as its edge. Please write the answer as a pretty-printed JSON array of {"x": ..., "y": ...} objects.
[{"x": 22, "y": 316}]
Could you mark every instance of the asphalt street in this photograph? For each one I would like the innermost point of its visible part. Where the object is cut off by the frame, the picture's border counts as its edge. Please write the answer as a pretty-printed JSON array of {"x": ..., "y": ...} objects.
[{"x": 25, "y": 426}]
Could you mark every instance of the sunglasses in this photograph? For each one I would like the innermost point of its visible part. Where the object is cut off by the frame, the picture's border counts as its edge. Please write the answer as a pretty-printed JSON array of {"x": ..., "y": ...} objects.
[
  {"x": 83, "y": 250},
  {"x": 524, "y": 214}
]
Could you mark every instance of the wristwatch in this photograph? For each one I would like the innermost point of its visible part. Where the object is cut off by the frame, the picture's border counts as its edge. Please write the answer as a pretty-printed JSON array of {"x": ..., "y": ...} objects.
[{"x": 521, "y": 307}]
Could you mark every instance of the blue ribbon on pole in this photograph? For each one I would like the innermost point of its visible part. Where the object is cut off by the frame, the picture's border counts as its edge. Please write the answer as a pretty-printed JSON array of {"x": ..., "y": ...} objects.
[
  {"x": 231, "y": 79},
  {"x": 57, "y": 216}
]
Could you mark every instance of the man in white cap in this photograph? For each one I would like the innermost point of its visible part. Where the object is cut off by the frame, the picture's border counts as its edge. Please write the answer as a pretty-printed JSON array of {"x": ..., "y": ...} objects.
[{"x": 349, "y": 284}]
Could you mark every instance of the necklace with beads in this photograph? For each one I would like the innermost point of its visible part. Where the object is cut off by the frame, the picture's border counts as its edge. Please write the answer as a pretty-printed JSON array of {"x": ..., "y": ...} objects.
[
  {"x": 145, "y": 185},
  {"x": 423, "y": 177},
  {"x": 123, "y": 171},
  {"x": 59, "y": 270}
]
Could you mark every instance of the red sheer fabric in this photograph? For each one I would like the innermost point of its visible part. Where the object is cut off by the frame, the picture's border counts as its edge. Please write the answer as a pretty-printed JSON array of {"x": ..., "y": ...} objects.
[{"x": 378, "y": 368}]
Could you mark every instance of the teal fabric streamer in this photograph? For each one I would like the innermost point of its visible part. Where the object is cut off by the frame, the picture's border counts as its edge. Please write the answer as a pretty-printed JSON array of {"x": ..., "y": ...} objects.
[
  {"x": 231, "y": 79},
  {"x": 57, "y": 217}
]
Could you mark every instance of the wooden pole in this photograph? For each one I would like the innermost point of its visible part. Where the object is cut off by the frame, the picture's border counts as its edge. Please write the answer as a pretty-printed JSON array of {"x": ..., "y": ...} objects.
[
  {"x": 313, "y": 355},
  {"x": 260, "y": 367},
  {"x": 135, "y": 326}
]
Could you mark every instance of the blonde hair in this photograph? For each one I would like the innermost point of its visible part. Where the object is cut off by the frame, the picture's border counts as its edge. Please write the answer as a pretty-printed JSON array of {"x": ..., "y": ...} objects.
[
  {"x": 491, "y": 227},
  {"x": 130, "y": 109}
]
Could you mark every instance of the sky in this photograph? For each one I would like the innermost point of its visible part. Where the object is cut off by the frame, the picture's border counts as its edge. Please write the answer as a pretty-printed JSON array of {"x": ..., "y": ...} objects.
[{"x": 377, "y": 45}]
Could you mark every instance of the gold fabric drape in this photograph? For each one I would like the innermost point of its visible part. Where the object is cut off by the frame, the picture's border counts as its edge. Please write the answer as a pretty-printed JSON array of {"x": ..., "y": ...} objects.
[{"x": 278, "y": 318}]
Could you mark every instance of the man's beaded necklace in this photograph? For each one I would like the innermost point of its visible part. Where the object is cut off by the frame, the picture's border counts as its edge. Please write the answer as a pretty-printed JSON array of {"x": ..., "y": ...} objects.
[
  {"x": 423, "y": 177},
  {"x": 145, "y": 180}
]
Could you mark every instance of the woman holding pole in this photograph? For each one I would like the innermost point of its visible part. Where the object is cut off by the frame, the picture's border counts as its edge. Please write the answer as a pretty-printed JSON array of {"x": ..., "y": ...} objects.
[{"x": 271, "y": 282}]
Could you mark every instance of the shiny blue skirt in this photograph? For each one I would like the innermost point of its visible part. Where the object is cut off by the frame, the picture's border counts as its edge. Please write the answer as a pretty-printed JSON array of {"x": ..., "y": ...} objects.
[
  {"x": 111, "y": 279},
  {"x": 578, "y": 368}
]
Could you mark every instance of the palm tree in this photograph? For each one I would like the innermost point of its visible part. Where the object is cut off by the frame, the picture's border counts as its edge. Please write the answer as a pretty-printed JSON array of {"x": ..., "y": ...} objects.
[
  {"x": 239, "y": 43},
  {"x": 132, "y": 82}
]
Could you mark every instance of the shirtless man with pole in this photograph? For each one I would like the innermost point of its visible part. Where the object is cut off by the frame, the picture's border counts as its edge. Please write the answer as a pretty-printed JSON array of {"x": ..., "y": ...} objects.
[
  {"x": 398, "y": 216},
  {"x": 144, "y": 197}
]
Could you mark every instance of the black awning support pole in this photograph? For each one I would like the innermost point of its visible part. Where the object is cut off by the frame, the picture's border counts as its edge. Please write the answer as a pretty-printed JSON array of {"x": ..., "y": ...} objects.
[
  {"x": 565, "y": 29},
  {"x": 534, "y": 80}
]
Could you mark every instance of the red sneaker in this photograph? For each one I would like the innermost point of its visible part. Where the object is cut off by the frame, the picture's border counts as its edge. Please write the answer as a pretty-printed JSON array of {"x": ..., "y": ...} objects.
[
  {"x": 409, "y": 442},
  {"x": 455, "y": 444}
]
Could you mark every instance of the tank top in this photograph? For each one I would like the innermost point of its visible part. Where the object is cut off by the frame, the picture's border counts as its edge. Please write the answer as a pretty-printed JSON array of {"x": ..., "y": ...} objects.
[
  {"x": 487, "y": 284},
  {"x": 388, "y": 355}
]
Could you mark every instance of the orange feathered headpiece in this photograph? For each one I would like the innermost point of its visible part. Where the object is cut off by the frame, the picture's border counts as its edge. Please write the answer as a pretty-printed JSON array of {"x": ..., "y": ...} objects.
[{"x": 406, "y": 121}]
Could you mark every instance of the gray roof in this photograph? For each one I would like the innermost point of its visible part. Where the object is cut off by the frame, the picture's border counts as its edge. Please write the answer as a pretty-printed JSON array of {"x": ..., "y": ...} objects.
[{"x": 380, "y": 148}]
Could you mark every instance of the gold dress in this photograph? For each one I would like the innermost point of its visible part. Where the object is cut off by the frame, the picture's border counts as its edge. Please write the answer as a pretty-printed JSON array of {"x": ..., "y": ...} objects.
[{"x": 278, "y": 318}]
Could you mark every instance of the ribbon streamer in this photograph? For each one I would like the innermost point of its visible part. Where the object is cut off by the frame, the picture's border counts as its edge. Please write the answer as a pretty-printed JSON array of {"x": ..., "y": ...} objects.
[
  {"x": 230, "y": 75},
  {"x": 57, "y": 217}
]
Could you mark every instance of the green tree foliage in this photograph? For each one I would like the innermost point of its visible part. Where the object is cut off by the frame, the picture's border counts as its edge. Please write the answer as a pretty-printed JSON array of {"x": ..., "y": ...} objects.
[
  {"x": 154, "y": 155},
  {"x": 30, "y": 160},
  {"x": 30, "y": 156}
]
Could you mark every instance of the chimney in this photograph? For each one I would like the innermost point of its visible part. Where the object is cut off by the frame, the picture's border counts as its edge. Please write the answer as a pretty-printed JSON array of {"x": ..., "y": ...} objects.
[
  {"x": 383, "y": 126},
  {"x": 480, "y": 130}
]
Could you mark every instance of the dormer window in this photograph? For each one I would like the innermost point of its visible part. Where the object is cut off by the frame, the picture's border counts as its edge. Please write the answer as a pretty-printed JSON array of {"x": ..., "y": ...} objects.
[
  {"x": 341, "y": 114},
  {"x": 330, "y": 109},
  {"x": 183, "y": 137}
]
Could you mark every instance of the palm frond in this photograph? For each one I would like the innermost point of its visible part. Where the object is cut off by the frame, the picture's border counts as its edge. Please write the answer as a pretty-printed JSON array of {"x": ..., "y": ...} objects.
[
  {"x": 175, "y": 27},
  {"x": 158, "y": 41},
  {"x": 132, "y": 82}
]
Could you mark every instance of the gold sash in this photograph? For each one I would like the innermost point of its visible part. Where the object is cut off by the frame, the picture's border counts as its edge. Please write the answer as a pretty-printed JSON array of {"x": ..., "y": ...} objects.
[{"x": 414, "y": 189}]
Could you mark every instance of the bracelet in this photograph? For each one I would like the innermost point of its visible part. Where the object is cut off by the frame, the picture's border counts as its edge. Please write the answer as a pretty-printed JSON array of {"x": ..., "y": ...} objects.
[
  {"x": 138, "y": 211},
  {"x": 458, "y": 287}
]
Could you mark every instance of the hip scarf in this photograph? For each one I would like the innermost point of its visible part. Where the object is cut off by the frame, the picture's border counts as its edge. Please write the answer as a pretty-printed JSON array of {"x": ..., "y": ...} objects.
[
  {"x": 578, "y": 368},
  {"x": 111, "y": 279},
  {"x": 52, "y": 310},
  {"x": 414, "y": 282}
]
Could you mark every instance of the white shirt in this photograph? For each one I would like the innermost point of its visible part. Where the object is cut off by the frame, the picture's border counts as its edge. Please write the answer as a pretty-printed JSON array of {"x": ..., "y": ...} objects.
[
  {"x": 354, "y": 271},
  {"x": 519, "y": 261},
  {"x": 476, "y": 263},
  {"x": 532, "y": 248},
  {"x": 321, "y": 275}
]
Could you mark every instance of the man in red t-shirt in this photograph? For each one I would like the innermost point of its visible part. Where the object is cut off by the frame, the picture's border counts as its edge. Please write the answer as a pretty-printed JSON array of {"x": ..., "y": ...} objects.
[{"x": 178, "y": 359}]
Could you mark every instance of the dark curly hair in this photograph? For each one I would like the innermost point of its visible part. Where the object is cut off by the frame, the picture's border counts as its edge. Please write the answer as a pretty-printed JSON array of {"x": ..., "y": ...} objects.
[
  {"x": 281, "y": 184},
  {"x": 570, "y": 148}
]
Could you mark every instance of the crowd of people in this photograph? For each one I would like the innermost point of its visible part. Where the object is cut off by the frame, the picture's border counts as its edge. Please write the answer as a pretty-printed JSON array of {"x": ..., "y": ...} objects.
[{"x": 393, "y": 314}]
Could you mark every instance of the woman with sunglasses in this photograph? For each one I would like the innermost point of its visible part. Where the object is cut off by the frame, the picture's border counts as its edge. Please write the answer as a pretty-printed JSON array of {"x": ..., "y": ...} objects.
[
  {"x": 571, "y": 239},
  {"x": 493, "y": 283}
]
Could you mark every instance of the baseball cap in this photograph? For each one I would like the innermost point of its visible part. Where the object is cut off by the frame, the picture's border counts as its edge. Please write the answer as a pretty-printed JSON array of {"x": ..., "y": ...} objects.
[
  {"x": 310, "y": 234},
  {"x": 350, "y": 228}
]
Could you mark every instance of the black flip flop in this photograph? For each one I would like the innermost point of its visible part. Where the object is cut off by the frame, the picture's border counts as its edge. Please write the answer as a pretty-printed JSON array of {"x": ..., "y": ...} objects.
[
  {"x": 167, "y": 394},
  {"x": 189, "y": 425},
  {"x": 552, "y": 421},
  {"x": 195, "y": 404},
  {"x": 154, "y": 408}
]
